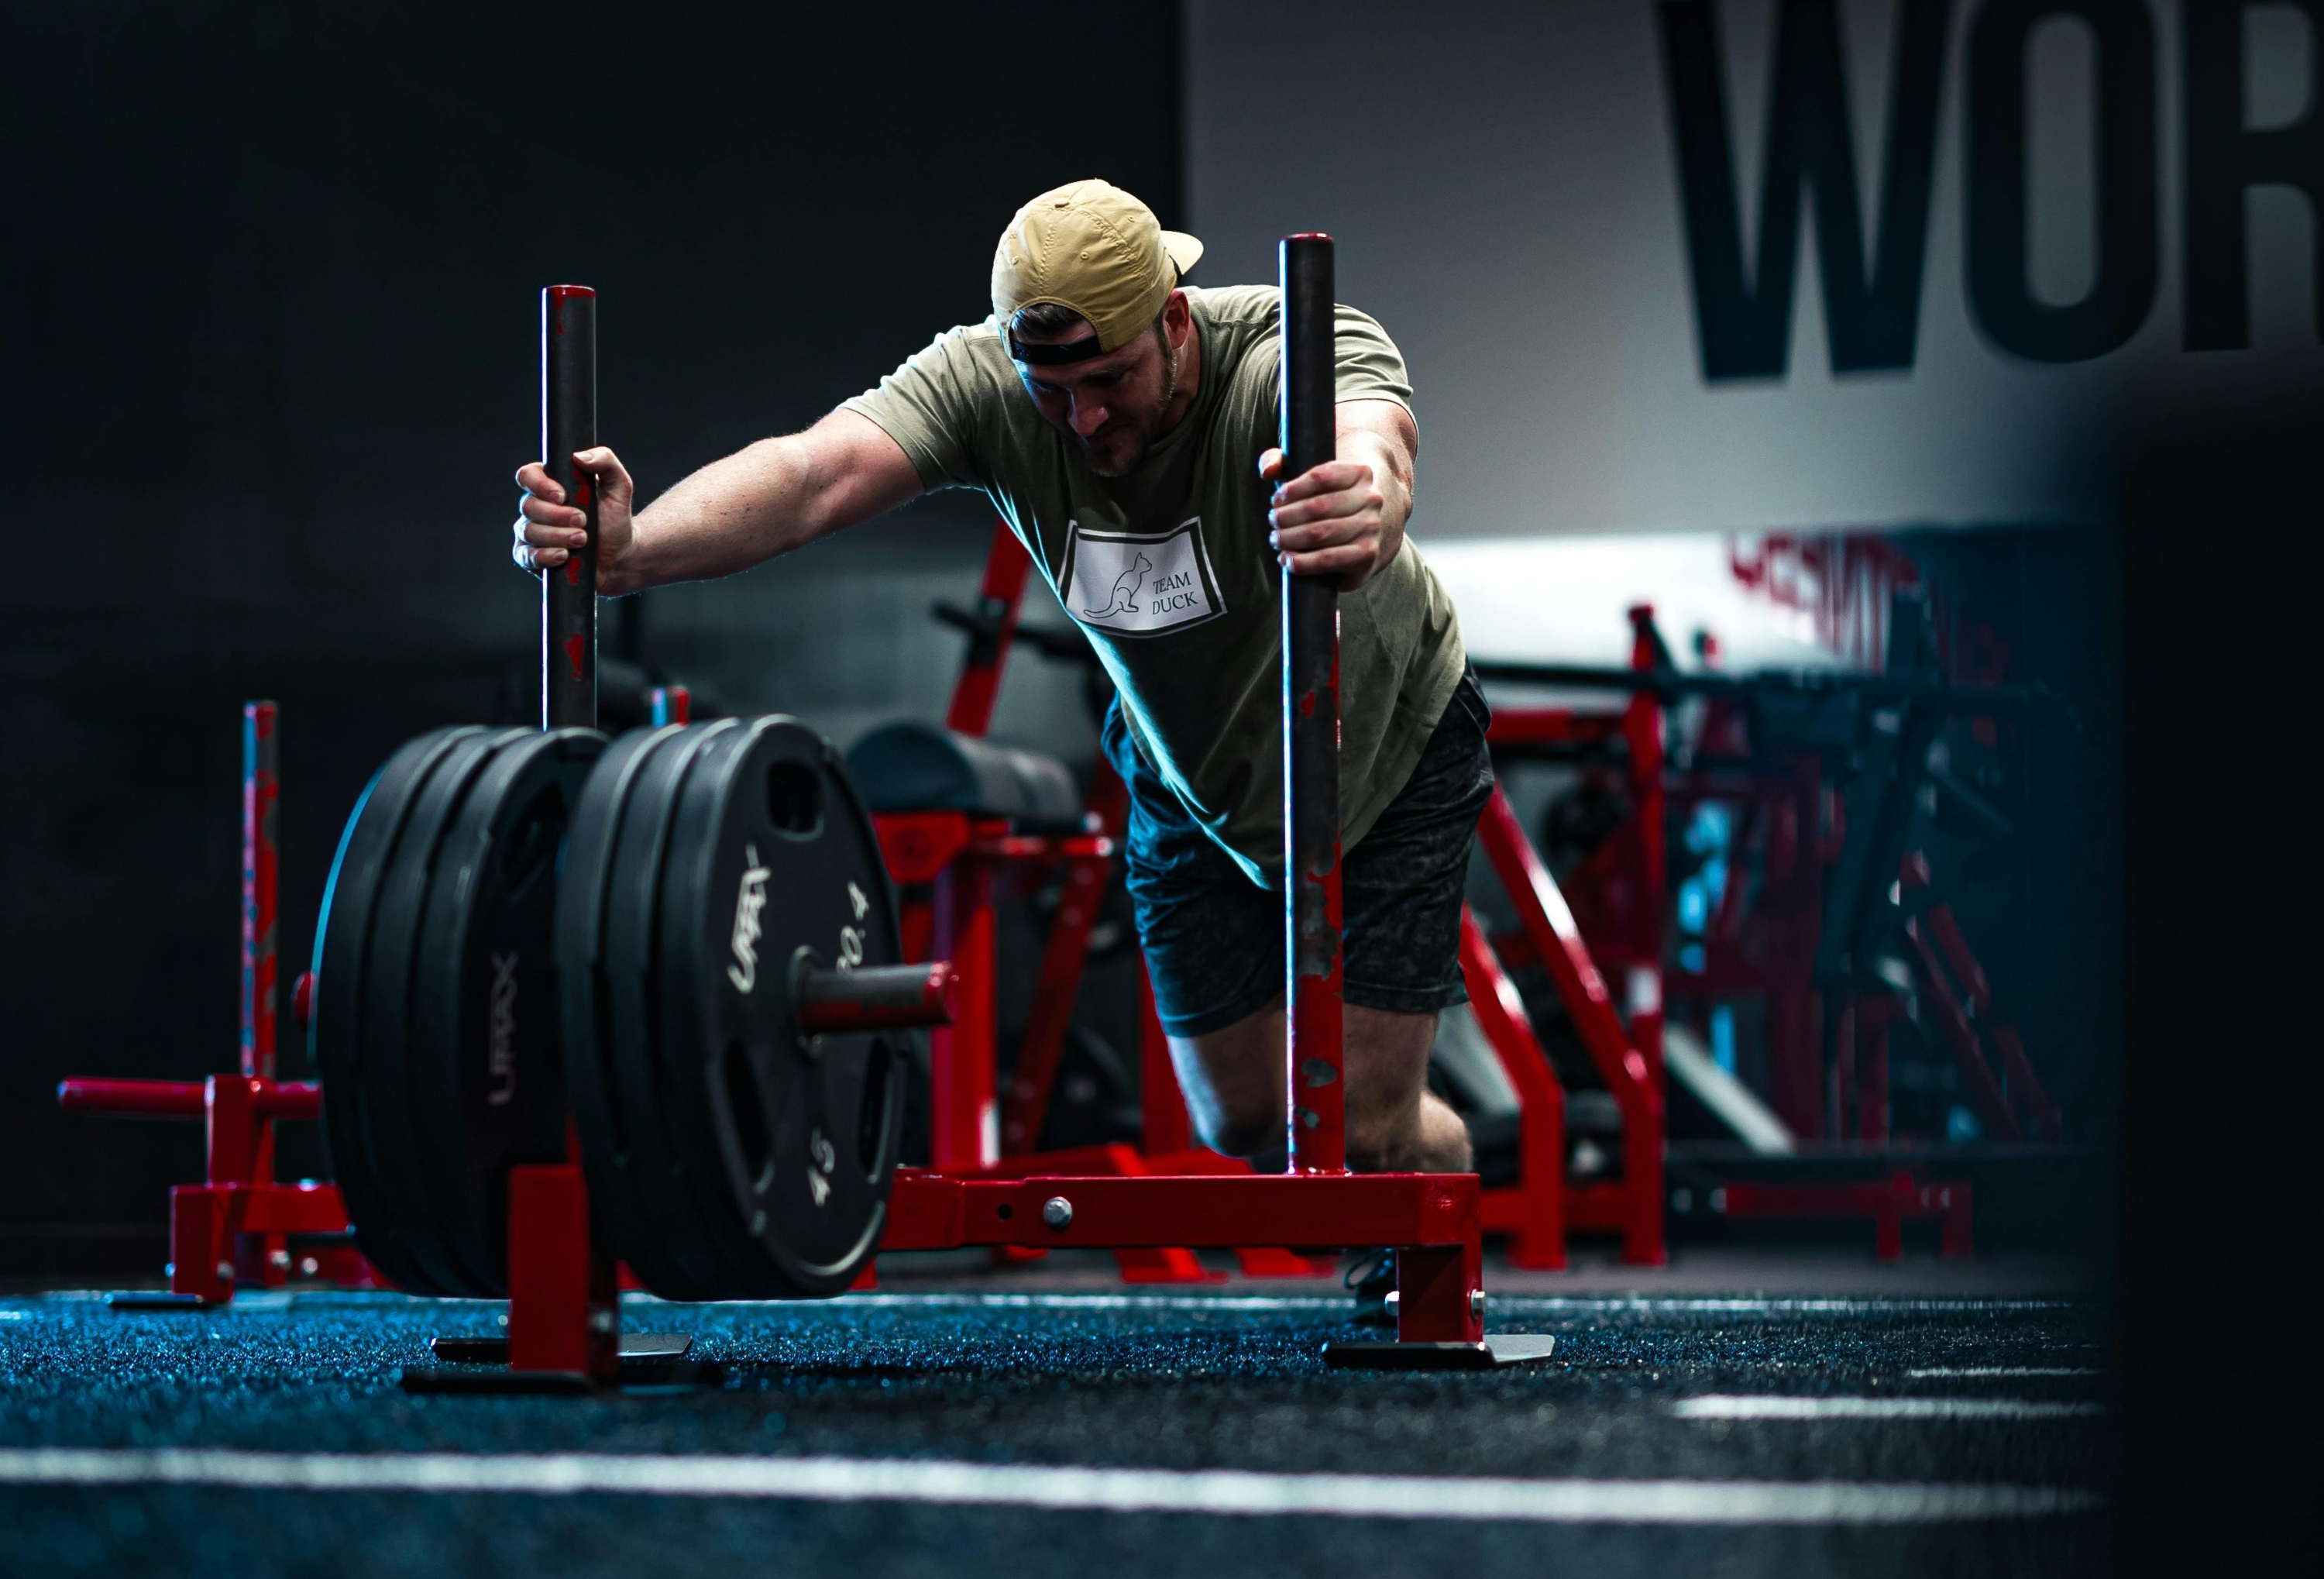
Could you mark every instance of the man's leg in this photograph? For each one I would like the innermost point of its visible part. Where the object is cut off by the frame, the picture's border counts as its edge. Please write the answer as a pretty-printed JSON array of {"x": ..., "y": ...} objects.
[{"x": 1233, "y": 1082}]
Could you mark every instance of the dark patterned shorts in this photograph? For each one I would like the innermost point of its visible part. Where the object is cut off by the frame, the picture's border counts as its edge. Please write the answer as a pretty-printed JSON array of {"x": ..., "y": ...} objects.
[{"x": 1213, "y": 939}]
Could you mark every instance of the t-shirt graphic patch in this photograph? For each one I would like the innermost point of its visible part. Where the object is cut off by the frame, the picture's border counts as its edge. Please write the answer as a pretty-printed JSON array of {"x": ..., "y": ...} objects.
[{"x": 1140, "y": 584}]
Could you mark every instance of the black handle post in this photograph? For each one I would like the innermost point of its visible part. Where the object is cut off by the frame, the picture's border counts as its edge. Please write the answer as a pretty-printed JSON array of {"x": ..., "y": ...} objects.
[
  {"x": 1314, "y": 1094},
  {"x": 569, "y": 421}
]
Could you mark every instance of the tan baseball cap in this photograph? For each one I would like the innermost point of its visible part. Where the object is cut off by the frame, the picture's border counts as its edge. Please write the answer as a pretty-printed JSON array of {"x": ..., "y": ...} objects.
[{"x": 1092, "y": 247}]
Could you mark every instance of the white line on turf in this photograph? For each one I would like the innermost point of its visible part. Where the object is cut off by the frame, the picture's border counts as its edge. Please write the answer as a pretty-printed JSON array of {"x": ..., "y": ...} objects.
[
  {"x": 1063, "y": 1488},
  {"x": 1546, "y": 1303},
  {"x": 1781, "y": 1407},
  {"x": 1530, "y": 1303},
  {"x": 1984, "y": 1370}
]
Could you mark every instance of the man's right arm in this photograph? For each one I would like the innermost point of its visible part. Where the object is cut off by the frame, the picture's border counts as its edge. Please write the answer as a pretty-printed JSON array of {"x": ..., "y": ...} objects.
[{"x": 760, "y": 503}]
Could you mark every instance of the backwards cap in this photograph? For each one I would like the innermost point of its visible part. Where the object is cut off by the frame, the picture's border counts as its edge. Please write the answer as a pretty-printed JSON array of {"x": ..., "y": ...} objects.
[{"x": 1091, "y": 247}]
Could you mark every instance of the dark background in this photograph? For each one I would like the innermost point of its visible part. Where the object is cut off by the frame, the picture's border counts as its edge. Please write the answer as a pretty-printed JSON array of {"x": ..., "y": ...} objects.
[
  {"x": 269, "y": 359},
  {"x": 267, "y": 362}
]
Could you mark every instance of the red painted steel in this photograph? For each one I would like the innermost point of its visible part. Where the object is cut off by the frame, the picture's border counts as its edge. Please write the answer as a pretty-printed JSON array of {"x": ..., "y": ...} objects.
[
  {"x": 1081, "y": 888},
  {"x": 1642, "y": 958},
  {"x": 1549, "y": 926},
  {"x": 1429, "y": 1219},
  {"x": 1217, "y": 1211},
  {"x": 918, "y": 844},
  {"x": 1890, "y": 1204},
  {"x": 260, "y": 789},
  {"x": 1553, "y": 726},
  {"x": 224, "y": 1233},
  {"x": 134, "y": 1099},
  {"x": 1984, "y": 1092},
  {"x": 1170, "y": 1263},
  {"x": 185, "y": 1099},
  {"x": 1935, "y": 925},
  {"x": 1437, "y": 1288},
  {"x": 236, "y": 1225},
  {"x": 964, "y": 1118},
  {"x": 1532, "y": 1211},
  {"x": 1762, "y": 941},
  {"x": 563, "y": 1312},
  {"x": 1006, "y": 566}
]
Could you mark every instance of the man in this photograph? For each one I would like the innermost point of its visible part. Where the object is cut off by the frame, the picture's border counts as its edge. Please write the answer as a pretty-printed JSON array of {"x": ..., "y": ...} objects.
[{"x": 1122, "y": 423}]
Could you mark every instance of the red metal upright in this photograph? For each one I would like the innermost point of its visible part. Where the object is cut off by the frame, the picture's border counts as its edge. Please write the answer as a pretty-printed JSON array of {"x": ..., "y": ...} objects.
[
  {"x": 1532, "y": 1211},
  {"x": 563, "y": 1316},
  {"x": 1314, "y": 1093},
  {"x": 964, "y": 1116},
  {"x": 1903, "y": 1196},
  {"x": 1642, "y": 952},
  {"x": 237, "y": 1225},
  {"x": 997, "y": 599},
  {"x": 261, "y": 789},
  {"x": 1082, "y": 879},
  {"x": 1633, "y": 1204}
]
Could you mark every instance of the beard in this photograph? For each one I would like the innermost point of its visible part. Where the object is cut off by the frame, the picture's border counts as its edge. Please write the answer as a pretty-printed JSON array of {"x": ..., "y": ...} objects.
[{"x": 1138, "y": 433}]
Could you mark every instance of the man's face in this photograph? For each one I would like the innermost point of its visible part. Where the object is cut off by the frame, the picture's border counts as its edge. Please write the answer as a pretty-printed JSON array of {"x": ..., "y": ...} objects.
[{"x": 1112, "y": 405}]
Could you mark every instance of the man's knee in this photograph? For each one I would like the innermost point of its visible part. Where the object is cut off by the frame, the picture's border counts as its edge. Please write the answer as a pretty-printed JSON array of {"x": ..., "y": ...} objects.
[
  {"x": 1240, "y": 1131},
  {"x": 1382, "y": 1140}
]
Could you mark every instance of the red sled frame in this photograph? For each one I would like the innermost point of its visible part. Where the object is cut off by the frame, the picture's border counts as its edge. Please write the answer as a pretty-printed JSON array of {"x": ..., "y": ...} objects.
[{"x": 952, "y": 869}]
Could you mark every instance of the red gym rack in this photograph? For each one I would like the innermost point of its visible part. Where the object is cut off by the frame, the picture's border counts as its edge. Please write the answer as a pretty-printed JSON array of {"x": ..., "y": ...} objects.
[{"x": 239, "y": 1225}]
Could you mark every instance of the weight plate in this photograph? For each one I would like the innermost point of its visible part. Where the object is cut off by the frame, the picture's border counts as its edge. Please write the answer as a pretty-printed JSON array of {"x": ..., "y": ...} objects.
[
  {"x": 367, "y": 846},
  {"x": 486, "y": 1077},
  {"x": 581, "y": 1002},
  {"x": 604, "y": 940},
  {"x": 771, "y": 859},
  {"x": 399, "y": 1115},
  {"x": 686, "y": 1256}
]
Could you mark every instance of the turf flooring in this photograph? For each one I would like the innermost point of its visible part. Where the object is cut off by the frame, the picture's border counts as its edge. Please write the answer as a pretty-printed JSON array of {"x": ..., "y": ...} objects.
[{"x": 1186, "y": 1382}]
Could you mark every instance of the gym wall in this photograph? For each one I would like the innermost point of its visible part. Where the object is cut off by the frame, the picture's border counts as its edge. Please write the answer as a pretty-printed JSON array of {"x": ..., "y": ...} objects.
[
  {"x": 1783, "y": 265},
  {"x": 269, "y": 362}
]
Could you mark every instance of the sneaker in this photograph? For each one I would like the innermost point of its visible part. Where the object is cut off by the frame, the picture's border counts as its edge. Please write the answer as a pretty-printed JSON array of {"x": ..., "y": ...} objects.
[{"x": 1372, "y": 1280}]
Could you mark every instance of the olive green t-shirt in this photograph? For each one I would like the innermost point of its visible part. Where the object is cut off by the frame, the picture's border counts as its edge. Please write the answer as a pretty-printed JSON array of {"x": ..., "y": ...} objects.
[{"x": 1168, "y": 571}]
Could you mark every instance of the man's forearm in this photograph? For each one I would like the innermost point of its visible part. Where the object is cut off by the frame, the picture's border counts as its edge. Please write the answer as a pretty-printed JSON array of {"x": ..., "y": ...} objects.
[
  {"x": 764, "y": 501},
  {"x": 731, "y": 514}
]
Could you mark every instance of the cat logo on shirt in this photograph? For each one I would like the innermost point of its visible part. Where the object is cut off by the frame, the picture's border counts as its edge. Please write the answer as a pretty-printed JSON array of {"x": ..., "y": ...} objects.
[{"x": 1140, "y": 584}]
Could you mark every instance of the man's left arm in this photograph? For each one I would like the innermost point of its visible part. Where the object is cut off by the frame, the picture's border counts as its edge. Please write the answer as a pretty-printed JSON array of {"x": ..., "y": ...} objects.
[{"x": 1346, "y": 517}]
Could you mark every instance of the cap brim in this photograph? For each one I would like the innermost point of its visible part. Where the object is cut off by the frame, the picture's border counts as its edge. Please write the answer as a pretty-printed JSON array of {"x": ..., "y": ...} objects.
[{"x": 1185, "y": 251}]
